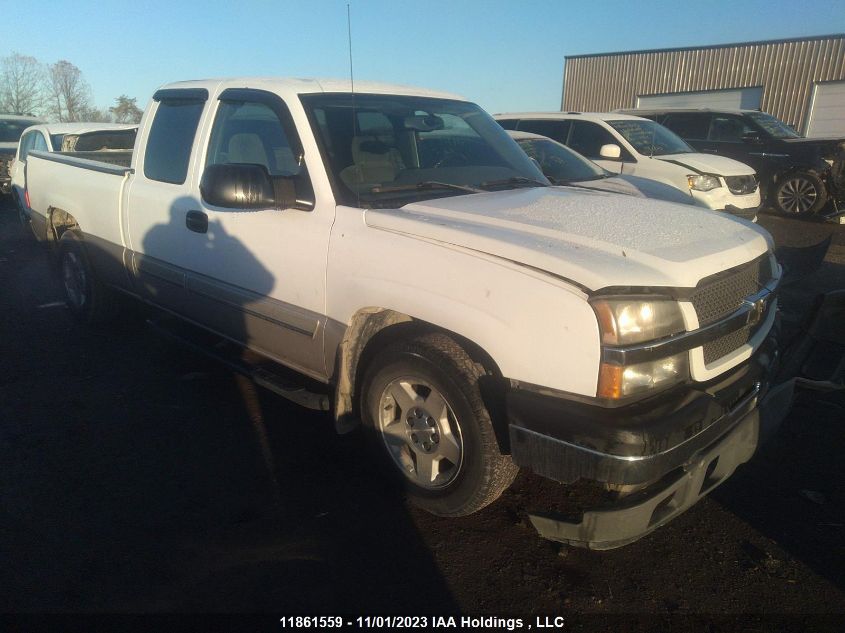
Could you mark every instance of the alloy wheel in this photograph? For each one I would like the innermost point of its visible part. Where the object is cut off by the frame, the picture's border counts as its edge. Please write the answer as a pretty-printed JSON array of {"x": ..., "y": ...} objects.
[{"x": 421, "y": 432}]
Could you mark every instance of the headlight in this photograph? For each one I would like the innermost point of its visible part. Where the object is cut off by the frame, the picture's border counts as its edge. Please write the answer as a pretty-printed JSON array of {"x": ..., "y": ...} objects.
[
  {"x": 628, "y": 321},
  {"x": 618, "y": 381},
  {"x": 703, "y": 182}
]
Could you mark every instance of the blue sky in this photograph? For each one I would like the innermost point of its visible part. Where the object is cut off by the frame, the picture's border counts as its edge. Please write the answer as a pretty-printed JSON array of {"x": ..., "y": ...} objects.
[{"x": 505, "y": 55}]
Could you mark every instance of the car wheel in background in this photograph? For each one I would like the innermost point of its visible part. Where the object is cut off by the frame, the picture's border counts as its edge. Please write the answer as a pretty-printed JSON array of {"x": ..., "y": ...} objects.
[
  {"x": 799, "y": 194},
  {"x": 88, "y": 299}
]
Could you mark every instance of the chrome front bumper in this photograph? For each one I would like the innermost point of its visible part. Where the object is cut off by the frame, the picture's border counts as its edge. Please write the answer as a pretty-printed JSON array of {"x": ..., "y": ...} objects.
[{"x": 658, "y": 504}]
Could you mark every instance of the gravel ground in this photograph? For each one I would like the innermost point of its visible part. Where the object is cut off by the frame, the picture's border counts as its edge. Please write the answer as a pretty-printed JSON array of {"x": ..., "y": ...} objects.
[{"x": 135, "y": 477}]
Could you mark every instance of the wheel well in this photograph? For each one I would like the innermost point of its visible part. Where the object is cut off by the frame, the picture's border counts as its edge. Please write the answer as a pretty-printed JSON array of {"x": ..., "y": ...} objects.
[
  {"x": 374, "y": 329},
  {"x": 59, "y": 222}
]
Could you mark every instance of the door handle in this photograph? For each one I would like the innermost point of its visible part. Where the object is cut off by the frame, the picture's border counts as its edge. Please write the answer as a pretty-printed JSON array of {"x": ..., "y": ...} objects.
[
  {"x": 709, "y": 151},
  {"x": 196, "y": 221}
]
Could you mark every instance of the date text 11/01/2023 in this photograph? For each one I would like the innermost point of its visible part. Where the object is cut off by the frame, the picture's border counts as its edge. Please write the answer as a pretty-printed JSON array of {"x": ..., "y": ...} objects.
[{"x": 422, "y": 622}]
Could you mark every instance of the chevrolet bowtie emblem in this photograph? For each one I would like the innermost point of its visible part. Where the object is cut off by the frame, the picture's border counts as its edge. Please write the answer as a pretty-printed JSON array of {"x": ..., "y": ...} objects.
[{"x": 758, "y": 309}]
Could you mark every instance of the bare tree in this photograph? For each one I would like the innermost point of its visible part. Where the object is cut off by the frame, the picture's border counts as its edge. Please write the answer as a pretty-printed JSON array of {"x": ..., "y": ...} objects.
[
  {"x": 97, "y": 115},
  {"x": 21, "y": 85},
  {"x": 70, "y": 94},
  {"x": 126, "y": 111}
]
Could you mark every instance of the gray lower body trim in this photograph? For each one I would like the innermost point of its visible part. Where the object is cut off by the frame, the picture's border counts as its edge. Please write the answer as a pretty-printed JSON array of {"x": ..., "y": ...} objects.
[{"x": 284, "y": 332}]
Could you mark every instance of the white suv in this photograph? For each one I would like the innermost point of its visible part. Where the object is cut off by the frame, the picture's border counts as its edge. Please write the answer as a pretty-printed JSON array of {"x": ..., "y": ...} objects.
[{"x": 626, "y": 144}]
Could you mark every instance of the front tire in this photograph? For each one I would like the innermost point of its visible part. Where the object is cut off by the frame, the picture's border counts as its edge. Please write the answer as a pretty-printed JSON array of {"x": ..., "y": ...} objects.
[
  {"x": 799, "y": 194},
  {"x": 425, "y": 416},
  {"x": 88, "y": 299}
]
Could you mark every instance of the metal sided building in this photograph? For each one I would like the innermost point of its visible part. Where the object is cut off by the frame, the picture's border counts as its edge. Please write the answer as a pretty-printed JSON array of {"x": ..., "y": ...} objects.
[{"x": 800, "y": 81}]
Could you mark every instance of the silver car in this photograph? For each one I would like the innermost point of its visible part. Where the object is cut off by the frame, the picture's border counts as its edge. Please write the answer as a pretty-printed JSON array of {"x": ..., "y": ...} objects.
[{"x": 563, "y": 166}]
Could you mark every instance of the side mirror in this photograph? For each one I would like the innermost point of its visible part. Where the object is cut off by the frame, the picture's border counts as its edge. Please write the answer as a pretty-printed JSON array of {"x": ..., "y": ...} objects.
[
  {"x": 611, "y": 151},
  {"x": 751, "y": 137},
  {"x": 237, "y": 186}
]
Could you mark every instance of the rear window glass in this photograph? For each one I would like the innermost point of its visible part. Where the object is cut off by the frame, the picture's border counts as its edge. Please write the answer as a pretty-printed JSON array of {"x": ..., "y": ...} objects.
[
  {"x": 11, "y": 130},
  {"x": 171, "y": 140},
  {"x": 557, "y": 130}
]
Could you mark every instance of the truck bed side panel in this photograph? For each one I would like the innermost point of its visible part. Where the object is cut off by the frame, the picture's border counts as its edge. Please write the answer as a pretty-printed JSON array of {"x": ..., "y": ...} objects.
[{"x": 89, "y": 191}]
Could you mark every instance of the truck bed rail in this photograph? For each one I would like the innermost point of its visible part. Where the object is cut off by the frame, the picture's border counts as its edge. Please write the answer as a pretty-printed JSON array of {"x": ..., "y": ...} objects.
[{"x": 108, "y": 162}]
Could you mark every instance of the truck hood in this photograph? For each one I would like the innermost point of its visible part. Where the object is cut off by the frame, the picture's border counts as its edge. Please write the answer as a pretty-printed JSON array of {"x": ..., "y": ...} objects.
[
  {"x": 593, "y": 239},
  {"x": 708, "y": 164}
]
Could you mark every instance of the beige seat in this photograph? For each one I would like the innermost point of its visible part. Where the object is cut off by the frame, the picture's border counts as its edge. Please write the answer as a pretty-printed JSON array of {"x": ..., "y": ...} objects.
[
  {"x": 247, "y": 148},
  {"x": 375, "y": 162}
]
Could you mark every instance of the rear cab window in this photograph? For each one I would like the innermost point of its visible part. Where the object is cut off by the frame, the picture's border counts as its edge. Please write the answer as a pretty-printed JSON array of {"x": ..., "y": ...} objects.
[
  {"x": 26, "y": 145},
  {"x": 171, "y": 137}
]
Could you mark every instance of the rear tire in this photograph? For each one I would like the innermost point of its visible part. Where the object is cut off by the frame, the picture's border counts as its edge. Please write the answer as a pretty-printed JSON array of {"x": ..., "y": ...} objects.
[
  {"x": 799, "y": 194},
  {"x": 426, "y": 419},
  {"x": 88, "y": 299}
]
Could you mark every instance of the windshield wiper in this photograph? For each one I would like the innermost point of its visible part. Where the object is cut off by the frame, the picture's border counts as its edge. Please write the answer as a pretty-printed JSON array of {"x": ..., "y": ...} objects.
[
  {"x": 420, "y": 186},
  {"x": 515, "y": 180}
]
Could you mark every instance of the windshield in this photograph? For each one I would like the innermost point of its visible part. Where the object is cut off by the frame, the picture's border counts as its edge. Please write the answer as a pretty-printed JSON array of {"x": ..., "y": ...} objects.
[
  {"x": 10, "y": 131},
  {"x": 397, "y": 149},
  {"x": 774, "y": 127},
  {"x": 650, "y": 138},
  {"x": 560, "y": 164}
]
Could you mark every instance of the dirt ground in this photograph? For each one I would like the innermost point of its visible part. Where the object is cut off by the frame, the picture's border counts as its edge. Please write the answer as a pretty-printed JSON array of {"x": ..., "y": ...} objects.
[{"x": 135, "y": 477}]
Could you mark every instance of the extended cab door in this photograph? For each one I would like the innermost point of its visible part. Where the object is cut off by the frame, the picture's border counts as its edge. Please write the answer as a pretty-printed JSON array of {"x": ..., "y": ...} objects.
[
  {"x": 160, "y": 196},
  {"x": 254, "y": 276}
]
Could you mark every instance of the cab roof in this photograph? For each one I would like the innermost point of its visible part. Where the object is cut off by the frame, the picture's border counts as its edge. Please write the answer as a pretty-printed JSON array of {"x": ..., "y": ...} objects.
[{"x": 309, "y": 86}]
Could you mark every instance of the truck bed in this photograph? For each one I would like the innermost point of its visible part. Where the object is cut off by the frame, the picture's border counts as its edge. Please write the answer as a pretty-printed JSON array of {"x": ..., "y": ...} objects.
[{"x": 89, "y": 190}]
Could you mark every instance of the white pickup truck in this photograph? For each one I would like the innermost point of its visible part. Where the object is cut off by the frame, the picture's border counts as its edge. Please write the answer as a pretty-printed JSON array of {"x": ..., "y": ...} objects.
[{"x": 395, "y": 246}]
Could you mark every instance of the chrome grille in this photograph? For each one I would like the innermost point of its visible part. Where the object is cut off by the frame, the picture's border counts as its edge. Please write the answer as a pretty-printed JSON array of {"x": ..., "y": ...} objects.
[
  {"x": 714, "y": 350},
  {"x": 740, "y": 185},
  {"x": 5, "y": 162},
  {"x": 719, "y": 295}
]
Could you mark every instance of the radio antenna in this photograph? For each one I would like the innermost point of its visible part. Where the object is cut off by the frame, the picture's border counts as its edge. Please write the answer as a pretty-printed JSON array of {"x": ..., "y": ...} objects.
[{"x": 349, "y": 36}]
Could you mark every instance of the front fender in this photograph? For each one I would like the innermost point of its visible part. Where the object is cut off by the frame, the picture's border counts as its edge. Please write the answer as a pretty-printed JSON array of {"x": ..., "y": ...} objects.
[{"x": 537, "y": 328}]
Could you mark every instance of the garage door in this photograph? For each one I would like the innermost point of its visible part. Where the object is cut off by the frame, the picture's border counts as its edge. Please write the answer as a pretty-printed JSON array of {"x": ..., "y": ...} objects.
[
  {"x": 745, "y": 98},
  {"x": 827, "y": 113}
]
